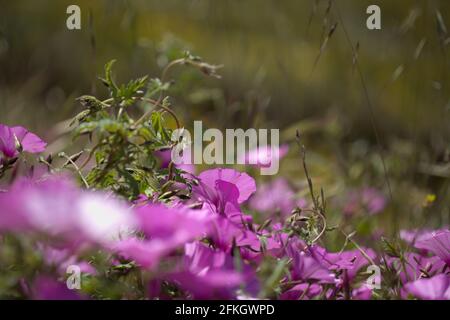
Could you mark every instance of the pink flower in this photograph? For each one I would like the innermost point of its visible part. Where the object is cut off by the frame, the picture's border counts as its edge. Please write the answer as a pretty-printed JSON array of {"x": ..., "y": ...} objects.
[
  {"x": 367, "y": 200},
  {"x": 275, "y": 196},
  {"x": 412, "y": 236},
  {"x": 61, "y": 258},
  {"x": 165, "y": 230},
  {"x": 362, "y": 293},
  {"x": 307, "y": 266},
  {"x": 253, "y": 246},
  {"x": 179, "y": 224},
  {"x": 435, "y": 288},
  {"x": 216, "y": 284},
  {"x": 222, "y": 191},
  {"x": 264, "y": 156},
  {"x": 39, "y": 205},
  {"x": 224, "y": 200},
  {"x": 304, "y": 291},
  {"x": 55, "y": 206},
  {"x": 438, "y": 243},
  {"x": 165, "y": 157},
  {"x": 46, "y": 288},
  {"x": 415, "y": 265},
  {"x": 351, "y": 261},
  {"x": 14, "y": 139},
  {"x": 207, "y": 273},
  {"x": 224, "y": 232},
  {"x": 210, "y": 189}
]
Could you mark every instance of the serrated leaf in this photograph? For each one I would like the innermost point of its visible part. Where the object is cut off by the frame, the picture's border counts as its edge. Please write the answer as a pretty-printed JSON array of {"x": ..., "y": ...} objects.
[{"x": 108, "y": 80}]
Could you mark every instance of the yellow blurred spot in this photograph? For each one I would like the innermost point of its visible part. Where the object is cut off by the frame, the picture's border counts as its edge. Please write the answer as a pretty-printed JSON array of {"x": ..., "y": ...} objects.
[{"x": 430, "y": 198}]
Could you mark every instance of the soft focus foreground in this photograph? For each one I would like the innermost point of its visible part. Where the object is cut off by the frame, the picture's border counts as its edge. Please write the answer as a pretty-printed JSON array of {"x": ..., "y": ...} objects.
[{"x": 142, "y": 227}]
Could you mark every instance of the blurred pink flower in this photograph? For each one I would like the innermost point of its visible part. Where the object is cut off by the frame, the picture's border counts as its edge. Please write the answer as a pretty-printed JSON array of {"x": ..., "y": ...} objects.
[
  {"x": 412, "y": 236},
  {"x": 362, "y": 293},
  {"x": 264, "y": 156},
  {"x": 275, "y": 196},
  {"x": 55, "y": 206},
  {"x": 435, "y": 288},
  {"x": 208, "y": 273},
  {"x": 165, "y": 229},
  {"x": 367, "y": 200},
  {"x": 47, "y": 288},
  {"x": 304, "y": 291},
  {"x": 61, "y": 258}
]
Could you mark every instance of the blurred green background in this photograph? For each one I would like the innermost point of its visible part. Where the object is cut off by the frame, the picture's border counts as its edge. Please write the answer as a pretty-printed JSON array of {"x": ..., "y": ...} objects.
[{"x": 275, "y": 75}]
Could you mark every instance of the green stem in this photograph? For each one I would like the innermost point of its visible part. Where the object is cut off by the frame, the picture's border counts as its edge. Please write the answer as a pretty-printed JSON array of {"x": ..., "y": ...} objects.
[{"x": 77, "y": 169}]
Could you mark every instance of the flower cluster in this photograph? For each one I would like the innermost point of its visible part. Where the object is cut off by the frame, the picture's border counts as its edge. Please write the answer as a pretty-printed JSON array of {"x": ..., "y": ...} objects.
[
  {"x": 203, "y": 247},
  {"x": 133, "y": 225}
]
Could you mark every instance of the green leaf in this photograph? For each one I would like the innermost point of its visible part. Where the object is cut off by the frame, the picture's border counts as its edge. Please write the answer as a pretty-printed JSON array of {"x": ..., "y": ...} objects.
[
  {"x": 156, "y": 120},
  {"x": 127, "y": 92},
  {"x": 108, "y": 79},
  {"x": 131, "y": 181}
]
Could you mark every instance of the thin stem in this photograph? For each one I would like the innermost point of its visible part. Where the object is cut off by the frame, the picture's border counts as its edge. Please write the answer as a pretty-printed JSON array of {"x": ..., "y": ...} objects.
[
  {"x": 324, "y": 228},
  {"x": 77, "y": 169},
  {"x": 119, "y": 113},
  {"x": 368, "y": 100},
  {"x": 368, "y": 258},
  {"x": 159, "y": 105},
  {"x": 89, "y": 156},
  {"x": 170, "y": 65},
  {"x": 158, "y": 102},
  {"x": 105, "y": 102},
  {"x": 305, "y": 168}
]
